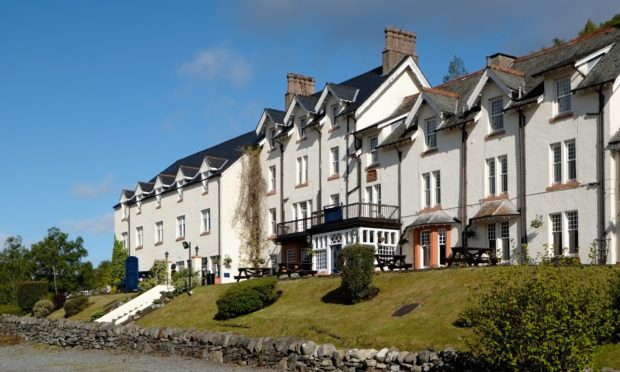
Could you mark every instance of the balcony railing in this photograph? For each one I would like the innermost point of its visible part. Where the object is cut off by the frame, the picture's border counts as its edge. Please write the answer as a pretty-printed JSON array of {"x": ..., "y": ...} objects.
[{"x": 338, "y": 213}]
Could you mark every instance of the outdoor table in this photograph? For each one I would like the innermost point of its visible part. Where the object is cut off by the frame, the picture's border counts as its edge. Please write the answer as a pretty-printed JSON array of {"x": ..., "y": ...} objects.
[
  {"x": 392, "y": 261},
  {"x": 472, "y": 256},
  {"x": 252, "y": 272},
  {"x": 295, "y": 268}
]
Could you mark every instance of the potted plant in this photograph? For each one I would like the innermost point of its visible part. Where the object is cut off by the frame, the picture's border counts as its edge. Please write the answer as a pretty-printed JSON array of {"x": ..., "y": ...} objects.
[
  {"x": 537, "y": 222},
  {"x": 227, "y": 261}
]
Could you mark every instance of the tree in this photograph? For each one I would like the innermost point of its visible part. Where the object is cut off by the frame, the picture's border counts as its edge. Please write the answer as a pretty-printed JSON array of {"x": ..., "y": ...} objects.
[
  {"x": 588, "y": 28},
  {"x": 455, "y": 69},
  {"x": 614, "y": 21},
  {"x": 103, "y": 274},
  {"x": 119, "y": 255},
  {"x": 59, "y": 260},
  {"x": 249, "y": 212},
  {"x": 86, "y": 276},
  {"x": 558, "y": 41},
  {"x": 14, "y": 268}
]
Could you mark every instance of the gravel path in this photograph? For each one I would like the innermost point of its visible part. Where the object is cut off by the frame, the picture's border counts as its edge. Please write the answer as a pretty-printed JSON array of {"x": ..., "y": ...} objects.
[{"x": 39, "y": 358}]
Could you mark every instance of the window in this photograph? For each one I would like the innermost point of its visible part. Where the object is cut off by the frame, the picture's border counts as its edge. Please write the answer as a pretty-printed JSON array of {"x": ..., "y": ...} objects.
[
  {"x": 497, "y": 113},
  {"x": 290, "y": 256},
  {"x": 373, "y": 194},
  {"x": 437, "y": 187},
  {"x": 431, "y": 134},
  {"x": 426, "y": 179},
  {"x": 302, "y": 127},
  {"x": 159, "y": 232},
  {"x": 125, "y": 239},
  {"x": 562, "y": 93},
  {"x": 425, "y": 243},
  {"x": 321, "y": 259},
  {"x": 335, "y": 199},
  {"x": 302, "y": 170},
  {"x": 335, "y": 110},
  {"x": 491, "y": 176},
  {"x": 505, "y": 236},
  {"x": 442, "y": 246},
  {"x": 139, "y": 237},
  {"x": 272, "y": 221},
  {"x": 573, "y": 232},
  {"x": 374, "y": 153},
  {"x": 556, "y": 233},
  {"x": 272, "y": 178},
  {"x": 503, "y": 164},
  {"x": 301, "y": 211},
  {"x": 272, "y": 133},
  {"x": 492, "y": 237},
  {"x": 335, "y": 161},
  {"x": 205, "y": 221},
  {"x": 181, "y": 227},
  {"x": 556, "y": 158},
  {"x": 572, "y": 160}
]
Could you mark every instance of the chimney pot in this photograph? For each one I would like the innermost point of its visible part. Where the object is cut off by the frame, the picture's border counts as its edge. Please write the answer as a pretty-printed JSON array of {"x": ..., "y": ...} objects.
[
  {"x": 398, "y": 45},
  {"x": 297, "y": 84}
]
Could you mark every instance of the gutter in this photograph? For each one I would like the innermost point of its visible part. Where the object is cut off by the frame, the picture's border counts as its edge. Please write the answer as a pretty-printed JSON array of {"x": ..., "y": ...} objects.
[
  {"x": 463, "y": 218},
  {"x": 319, "y": 196},
  {"x": 219, "y": 225},
  {"x": 522, "y": 192}
]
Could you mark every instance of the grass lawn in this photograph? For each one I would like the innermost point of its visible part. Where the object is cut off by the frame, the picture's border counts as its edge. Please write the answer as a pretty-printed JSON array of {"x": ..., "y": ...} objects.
[
  {"x": 95, "y": 303},
  {"x": 11, "y": 309}
]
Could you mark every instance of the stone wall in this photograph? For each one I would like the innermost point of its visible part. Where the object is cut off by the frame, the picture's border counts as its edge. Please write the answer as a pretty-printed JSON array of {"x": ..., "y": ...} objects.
[{"x": 223, "y": 347}]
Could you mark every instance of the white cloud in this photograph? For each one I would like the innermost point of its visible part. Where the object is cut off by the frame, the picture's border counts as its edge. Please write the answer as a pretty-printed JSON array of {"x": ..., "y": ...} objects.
[
  {"x": 83, "y": 190},
  {"x": 98, "y": 225},
  {"x": 217, "y": 63}
]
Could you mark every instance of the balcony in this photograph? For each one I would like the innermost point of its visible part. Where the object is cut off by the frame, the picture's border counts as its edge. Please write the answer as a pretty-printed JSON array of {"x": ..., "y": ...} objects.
[{"x": 342, "y": 216}]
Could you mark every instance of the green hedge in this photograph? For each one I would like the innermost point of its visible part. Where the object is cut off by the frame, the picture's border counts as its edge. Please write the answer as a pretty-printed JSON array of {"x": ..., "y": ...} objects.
[
  {"x": 29, "y": 292},
  {"x": 75, "y": 305},
  {"x": 42, "y": 308},
  {"x": 356, "y": 264},
  {"x": 246, "y": 297}
]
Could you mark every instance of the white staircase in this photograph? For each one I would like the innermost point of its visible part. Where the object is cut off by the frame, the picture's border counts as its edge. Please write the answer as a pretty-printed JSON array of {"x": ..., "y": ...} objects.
[{"x": 123, "y": 312}]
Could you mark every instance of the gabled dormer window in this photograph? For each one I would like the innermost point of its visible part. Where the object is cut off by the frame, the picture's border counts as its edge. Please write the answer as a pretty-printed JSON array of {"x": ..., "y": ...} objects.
[
  {"x": 302, "y": 125},
  {"x": 124, "y": 211},
  {"x": 562, "y": 94},
  {"x": 431, "y": 134},
  {"x": 180, "y": 185},
  {"x": 335, "y": 110},
  {"x": 374, "y": 152},
  {"x": 496, "y": 113}
]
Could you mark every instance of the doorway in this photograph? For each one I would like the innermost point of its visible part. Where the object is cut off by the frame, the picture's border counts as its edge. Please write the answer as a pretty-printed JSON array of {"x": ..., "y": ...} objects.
[{"x": 336, "y": 249}]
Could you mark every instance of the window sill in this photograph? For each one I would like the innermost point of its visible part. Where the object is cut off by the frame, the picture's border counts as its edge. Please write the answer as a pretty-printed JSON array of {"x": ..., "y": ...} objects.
[
  {"x": 563, "y": 186},
  {"x": 299, "y": 186},
  {"x": 561, "y": 117},
  {"x": 180, "y": 238},
  {"x": 490, "y": 198},
  {"x": 205, "y": 233},
  {"x": 272, "y": 192},
  {"x": 431, "y": 209},
  {"x": 138, "y": 248},
  {"x": 429, "y": 152},
  {"x": 372, "y": 166},
  {"x": 333, "y": 129},
  {"x": 159, "y": 243},
  {"x": 333, "y": 177},
  {"x": 495, "y": 134},
  {"x": 301, "y": 140}
]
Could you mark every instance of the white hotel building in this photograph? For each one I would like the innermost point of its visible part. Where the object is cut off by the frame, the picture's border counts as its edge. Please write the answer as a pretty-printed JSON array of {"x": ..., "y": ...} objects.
[{"x": 525, "y": 150}]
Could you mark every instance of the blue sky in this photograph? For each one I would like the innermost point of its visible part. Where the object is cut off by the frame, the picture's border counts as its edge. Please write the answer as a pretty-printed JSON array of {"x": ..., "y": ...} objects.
[{"x": 97, "y": 95}]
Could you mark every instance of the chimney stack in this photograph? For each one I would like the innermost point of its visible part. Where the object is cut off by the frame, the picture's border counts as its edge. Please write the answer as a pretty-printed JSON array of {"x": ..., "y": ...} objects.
[
  {"x": 398, "y": 45},
  {"x": 297, "y": 84},
  {"x": 500, "y": 59}
]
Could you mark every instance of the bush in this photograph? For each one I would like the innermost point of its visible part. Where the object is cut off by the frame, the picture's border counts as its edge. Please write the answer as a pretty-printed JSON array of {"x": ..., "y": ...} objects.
[
  {"x": 97, "y": 315},
  {"x": 246, "y": 297},
  {"x": 541, "y": 318},
  {"x": 180, "y": 279},
  {"x": 29, "y": 292},
  {"x": 59, "y": 300},
  {"x": 75, "y": 305},
  {"x": 42, "y": 308},
  {"x": 615, "y": 293},
  {"x": 356, "y": 263}
]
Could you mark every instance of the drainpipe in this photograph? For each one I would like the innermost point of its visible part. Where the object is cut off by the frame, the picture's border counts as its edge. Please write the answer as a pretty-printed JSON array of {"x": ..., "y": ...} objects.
[
  {"x": 219, "y": 225},
  {"x": 346, "y": 178},
  {"x": 281, "y": 146},
  {"x": 602, "y": 254},
  {"x": 464, "y": 185},
  {"x": 319, "y": 197},
  {"x": 399, "y": 192},
  {"x": 522, "y": 182},
  {"x": 128, "y": 229}
]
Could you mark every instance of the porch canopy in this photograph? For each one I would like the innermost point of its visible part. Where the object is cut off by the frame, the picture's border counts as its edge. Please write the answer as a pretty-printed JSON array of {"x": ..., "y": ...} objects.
[
  {"x": 438, "y": 217},
  {"x": 496, "y": 210}
]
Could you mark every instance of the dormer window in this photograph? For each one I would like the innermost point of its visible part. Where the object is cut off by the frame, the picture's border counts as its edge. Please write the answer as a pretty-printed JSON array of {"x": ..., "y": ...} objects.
[
  {"x": 496, "y": 113},
  {"x": 374, "y": 152},
  {"x": 180, "y": 189},
  {"x": 205, "y": 182},
  {"x": 562, "y": 94},
  {"x": 335, "y": 110},
  {"x": 302, "y": 125},
  {"x": 124, "y": 211},
  {"x": 431, "y": 134}
]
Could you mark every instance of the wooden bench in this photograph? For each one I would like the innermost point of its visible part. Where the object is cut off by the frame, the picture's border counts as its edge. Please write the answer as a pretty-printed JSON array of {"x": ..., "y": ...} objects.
[
  {"x": 294, "y": 268},
  {"x": 392, "y": 262},
  {"x": 251, "y": 272},
  {"x": 471, "y": 256}
]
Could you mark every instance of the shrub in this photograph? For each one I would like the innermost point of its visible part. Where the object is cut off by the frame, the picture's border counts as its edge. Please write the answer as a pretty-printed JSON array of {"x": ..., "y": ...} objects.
[
  {"x": 75, "y": 305},
  {"x": 29, "y": 292},
  {"x": 42, "y": 308},
  {"x": 180, "y": 279},
  {"x": 615, "y": 293},
  {"x": 541, "y": 318},
  {"x": 356, "y": 263},
  {"x": 246, "y": 297},
  {"x": 97, "y": 315},
  {"x": 59, "y": 300}
]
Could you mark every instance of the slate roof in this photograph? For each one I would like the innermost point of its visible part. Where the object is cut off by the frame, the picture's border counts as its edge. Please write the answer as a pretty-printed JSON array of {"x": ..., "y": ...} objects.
[
  {"x": 432, "y": 218},
  {"x": 445, "y": 101},
  {"x": 128, "y": 194},
  {"x": 606, "y": 70},
  {"x": 277, "y": 116},
  {"x": 215, "y": 162},
  {"x": 167, "y": 179},
  {"x": 147, "y": 186},
  {"x": 367, "y": 83},
  {"x": 344, "y": 92},
  {"x": 496, "y": 209},
  {"x": 401, "y": 134},
  {"x": 308, "y": 102},
  {"x": 189, "y": 171}
]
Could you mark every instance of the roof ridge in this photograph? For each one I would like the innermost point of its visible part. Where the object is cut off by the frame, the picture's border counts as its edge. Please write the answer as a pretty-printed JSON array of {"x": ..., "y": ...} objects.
[
  {"x": 571, "y": 42},
  {"x": 442, "y": 92},
  {"x": 460, "y": 78},
  {"x": 508, "y": 70}
]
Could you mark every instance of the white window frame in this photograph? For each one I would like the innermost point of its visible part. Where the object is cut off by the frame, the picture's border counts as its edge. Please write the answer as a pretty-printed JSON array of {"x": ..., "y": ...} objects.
[
  {"x": 425, "y": 246},
  {"x": 181, "y": 227},
  {"x": 272, "y": 178},
  {"x": 302, "y": 170},
  {"x": 272, "y": 221},
  {"x": 563, "y": 104},
  {"x": 205, "y": 220},
  {"x": 159, "y": 232},
  {"x": 503, "y": 174},
  {"x": 557, "y": 174},
  {"x": 572, "y": 224},
  {"x": 556, "y": 225},
  {"x": 426, "y": 190},
  {"x": 430, "y": 128},
  {"x": 571, "y": 157},
  {"x": 334, "y": 161},
  {"x": 504, "y": 235},
  {"x": 496, "y": 113},
  {"x": 374, "y": 151},
  {"x": 491, "y": 177},
  {"x": 125, "y": 240},
  {"x": 437, "y": 189},
  {"x": 139, "y": 236},
  {"x": 334, "y": 199}
]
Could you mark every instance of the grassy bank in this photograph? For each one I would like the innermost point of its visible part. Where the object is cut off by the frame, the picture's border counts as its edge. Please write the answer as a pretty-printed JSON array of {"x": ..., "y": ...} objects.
[{"x": 95, "y": 304}]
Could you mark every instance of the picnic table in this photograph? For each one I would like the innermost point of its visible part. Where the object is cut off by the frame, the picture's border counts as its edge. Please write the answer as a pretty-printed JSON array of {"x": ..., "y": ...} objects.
[
  {"x": 392, "y": 261},
  {"x": 471, "y": 256},
  {"x": 252, "y": 272},
  {"x": 291, "y": 268}
]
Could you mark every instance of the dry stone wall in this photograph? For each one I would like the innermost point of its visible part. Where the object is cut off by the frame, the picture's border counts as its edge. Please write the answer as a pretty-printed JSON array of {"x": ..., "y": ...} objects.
[{"x": 289, "y": 353}]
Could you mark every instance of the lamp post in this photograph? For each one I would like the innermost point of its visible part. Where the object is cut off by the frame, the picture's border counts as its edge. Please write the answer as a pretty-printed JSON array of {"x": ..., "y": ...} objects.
[
  {"x": 167, "y": 268},
  {"x": 188, "y": 246}
]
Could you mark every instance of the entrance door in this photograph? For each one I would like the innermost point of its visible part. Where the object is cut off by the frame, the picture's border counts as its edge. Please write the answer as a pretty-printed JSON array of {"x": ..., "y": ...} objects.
[
  {"x": 442, "y": 246},
  {"x": 336, "y": 249}
]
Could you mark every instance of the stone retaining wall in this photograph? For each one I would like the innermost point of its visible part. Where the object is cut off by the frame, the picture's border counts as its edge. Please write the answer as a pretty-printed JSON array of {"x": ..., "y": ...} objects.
[{"x": 289, "y": 353}]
